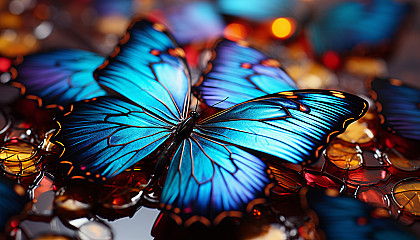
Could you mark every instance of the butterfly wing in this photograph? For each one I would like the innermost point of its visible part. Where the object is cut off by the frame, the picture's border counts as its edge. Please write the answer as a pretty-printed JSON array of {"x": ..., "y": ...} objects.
[
  {"x": 60, "y": 76},
  {"x": 352, "y": 23},
  {"x": 345, "y": 218},
  {"x": 211, "y": 179},
  {"x": 290, "y": 125},
  {"x": 397, "y": 105},
  {"x": 149, "y": 68},
  {"x": 108, "y": 135},
  {"x": 240, "y": 73},
  {"x": 103, "y": 137}
]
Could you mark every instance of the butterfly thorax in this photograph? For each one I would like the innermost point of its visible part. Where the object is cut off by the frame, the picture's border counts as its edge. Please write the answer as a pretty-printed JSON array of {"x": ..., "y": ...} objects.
[
  {"x": 185, "y": 128},
  {"x": 183, "y": 131}
]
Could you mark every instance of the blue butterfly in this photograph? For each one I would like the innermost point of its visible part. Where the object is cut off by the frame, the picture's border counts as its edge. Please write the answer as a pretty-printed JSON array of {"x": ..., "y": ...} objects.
[
  {"x": 59, "y": 77},
  {"x": 241, "y": 73},
  {"x": 346, "y": 218},
  {"x": 351, "y": 23},
  {"x": 211, "y": 172},
  {"x": 397, "y": 105},
  {"x": 12, "y": 201}
]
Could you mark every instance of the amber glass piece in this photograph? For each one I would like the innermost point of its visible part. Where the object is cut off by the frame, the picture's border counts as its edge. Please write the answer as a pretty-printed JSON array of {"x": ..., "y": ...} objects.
[
  {"x": 367, "y": 177},
  {"x": 121, "y": 198},
  {"x": 374, "y": 159},
  {"x": 373, "y": 196},
  {"x": 344, "y": 156},
  {"x": 322, "y": 180},
  {"x": 73, "y": 202},
  {"x": 406, "y": 147},
  {"x": 45, "y": 185},
  {"x": 124, "y": 190},
  {"x": 401, "y": 162},
  {"x": 94, "y": 230},
  {"x": 19, "y": 158},
  {"x": 407, "y": 195},
  {"x": 357, "y": 132},
  {"x": 46, "y": 144},
  {"x": 52, "y": 237},
  {"x": 273, "y": 231},
  {"x": 288, "y": 181}
]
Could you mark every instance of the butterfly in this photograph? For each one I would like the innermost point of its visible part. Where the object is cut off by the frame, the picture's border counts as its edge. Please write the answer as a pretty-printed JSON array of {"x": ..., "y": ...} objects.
[
  {"x": 212, "y": 173},
  {"x": 398, "y": 106},
  {"x": 346, "y": 218},
  {"x": 242, "y": 73},
  {"x": 12, "y": 201},
  {"x": 357, "y": 23},
  {"x": 59, "y": 77}
]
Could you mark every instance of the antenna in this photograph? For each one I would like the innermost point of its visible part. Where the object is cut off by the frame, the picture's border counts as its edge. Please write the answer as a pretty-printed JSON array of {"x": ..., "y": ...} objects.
[
  {"x": 196, "y": 105},
  {"x": 214, "y": 104}
]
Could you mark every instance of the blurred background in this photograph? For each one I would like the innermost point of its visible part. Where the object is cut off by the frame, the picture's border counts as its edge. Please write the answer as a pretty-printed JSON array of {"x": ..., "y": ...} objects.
[{"x": 319, "y": 42}]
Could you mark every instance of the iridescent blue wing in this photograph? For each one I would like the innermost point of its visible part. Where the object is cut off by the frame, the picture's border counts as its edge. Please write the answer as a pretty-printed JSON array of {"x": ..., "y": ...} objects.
[
  {"x": 12, "y": 202},
  {"x": 149, "y": 68},
  {"x": 60, "y": 76},
  {"x": 353, "y": 23},
  {"x": 240, "y": 73},
  {"x": 108, "y": 135},
  {"x": 290, "y": 125},
  {"x": 398, "y": 106},
  {"x": 208, "y": 181},
  {"x": 345, "y": 218}
]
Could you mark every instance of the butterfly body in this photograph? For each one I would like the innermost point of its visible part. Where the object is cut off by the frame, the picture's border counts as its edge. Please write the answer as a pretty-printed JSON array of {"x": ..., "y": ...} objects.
[
  {"x": 182, "y": 131},
  {"x": 185, "y": 128}
]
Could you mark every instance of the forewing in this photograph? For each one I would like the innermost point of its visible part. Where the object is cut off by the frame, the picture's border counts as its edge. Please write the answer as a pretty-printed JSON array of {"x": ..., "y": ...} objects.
[
  {"x": 108, "y": 135},
  {"x": 240, "y": 73},
  {"x": 60, "y": 76},
  {"x": 290, "y": 125},
  {"x": 398, "y": 106},
  {"x": 208, "y": 180},
  {"x": 148, "y": 68}
]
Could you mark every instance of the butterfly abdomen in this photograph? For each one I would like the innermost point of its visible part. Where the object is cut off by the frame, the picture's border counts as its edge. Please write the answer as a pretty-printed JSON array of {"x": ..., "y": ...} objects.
[{"x": 182, "y": 132}]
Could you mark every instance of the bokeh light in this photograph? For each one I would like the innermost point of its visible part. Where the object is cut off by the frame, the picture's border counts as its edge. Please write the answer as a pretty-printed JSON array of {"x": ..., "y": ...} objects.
[
  {"x": 235, "y": 32},
  {"x": 283, "y": 28}
]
